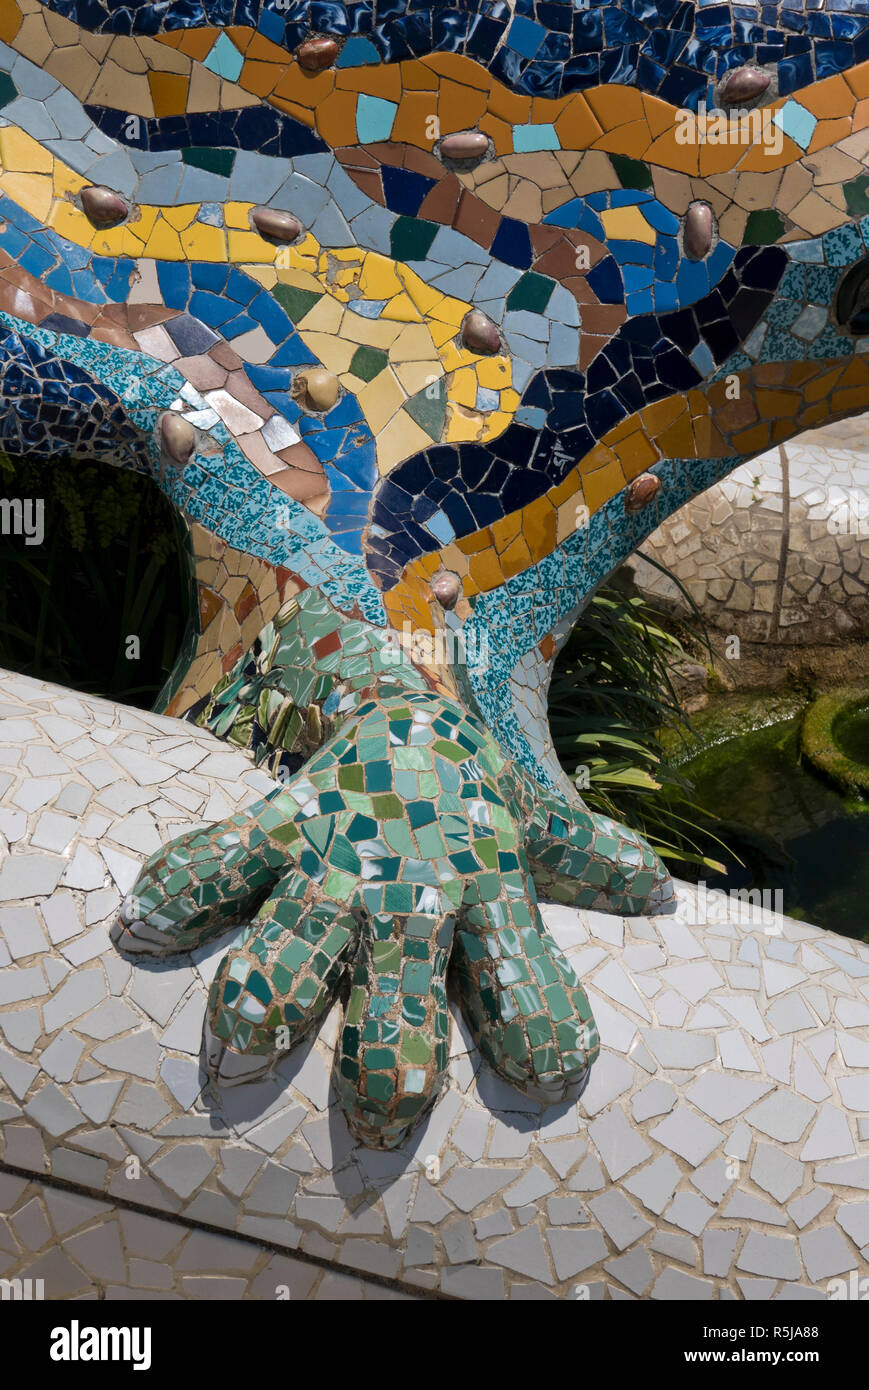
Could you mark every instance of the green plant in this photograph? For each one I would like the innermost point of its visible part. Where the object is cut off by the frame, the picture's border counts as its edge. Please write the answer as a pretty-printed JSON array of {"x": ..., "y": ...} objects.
[
  {"x": 610, "y": 696},
  {"x": 114, "y": 564},
  {"x": 822, "y": 744}
]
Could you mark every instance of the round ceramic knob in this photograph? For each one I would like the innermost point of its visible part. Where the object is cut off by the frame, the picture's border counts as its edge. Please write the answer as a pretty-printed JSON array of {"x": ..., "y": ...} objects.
[
  {"x": 743, "y": 85},
  {"x": 447, "y": 589},
  {"x": 317, "y": 388},
  {"x": 179, "y": 436},
  {"x": 480, "y": 333},
  {"x": 464, "y": 145},
  {"x": 640, "y": 493},
  {"x": 697, "y": 231},
  {"x": 103, "y": 206},
  {"x": 277, "y": 226},
  {"x": 316, "y": 54}
]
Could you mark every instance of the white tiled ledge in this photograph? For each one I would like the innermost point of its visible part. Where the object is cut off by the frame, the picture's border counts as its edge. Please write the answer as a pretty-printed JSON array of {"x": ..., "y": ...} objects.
[{"x": 721, "y": 1149}]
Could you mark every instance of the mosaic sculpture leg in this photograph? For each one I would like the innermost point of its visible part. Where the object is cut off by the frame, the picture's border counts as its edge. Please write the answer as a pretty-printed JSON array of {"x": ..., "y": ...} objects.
[{"x": 390, "y": 887}]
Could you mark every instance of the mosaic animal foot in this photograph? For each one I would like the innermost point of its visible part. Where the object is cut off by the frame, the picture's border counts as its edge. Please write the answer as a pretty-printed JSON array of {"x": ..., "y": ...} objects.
[{"x": 405, "y": 847}]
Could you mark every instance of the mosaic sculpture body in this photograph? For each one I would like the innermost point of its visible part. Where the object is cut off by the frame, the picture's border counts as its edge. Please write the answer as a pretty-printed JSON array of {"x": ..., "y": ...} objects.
[{"x": 423, "y": 318}]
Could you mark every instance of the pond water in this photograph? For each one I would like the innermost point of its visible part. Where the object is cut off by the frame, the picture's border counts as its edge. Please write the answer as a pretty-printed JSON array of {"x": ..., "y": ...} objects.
[{"x": 797, "y": 834}]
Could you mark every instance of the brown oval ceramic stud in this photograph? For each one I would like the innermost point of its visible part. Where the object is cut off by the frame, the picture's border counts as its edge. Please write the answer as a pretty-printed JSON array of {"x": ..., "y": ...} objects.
[
  {"x": 179, "y": 436},
  {"x": 697, "y": 231},
  {"x": 103, "y": 206},
  {"x": 480, "y": 333},
  {"x": 316, "y": 388},
  {"x": 743, "y": 85},
  {"x": 640, "y": 493},
  {"x": 447, "y": 589},
  {"x": 277, "y": 226},
  {"x": 464, "y": 145},
  {"x": 316, "y": 54}
]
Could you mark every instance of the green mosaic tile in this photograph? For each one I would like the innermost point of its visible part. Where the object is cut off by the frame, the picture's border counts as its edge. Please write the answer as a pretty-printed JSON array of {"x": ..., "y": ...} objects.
[
  {"x": 764, "y": 226},
  {"x": 533, "y": 292},
  {"x": 411, "y": 238},
  {"x": 368, "y": 362},
  {"x": 428, "y": 409},
  {"x": 631, "y": 173},
  {"x": 216, "y": 161}
]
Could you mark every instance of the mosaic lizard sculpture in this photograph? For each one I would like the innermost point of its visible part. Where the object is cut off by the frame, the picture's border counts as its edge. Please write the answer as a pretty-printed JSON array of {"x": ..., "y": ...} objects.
[{"x": 423, "y": 317}]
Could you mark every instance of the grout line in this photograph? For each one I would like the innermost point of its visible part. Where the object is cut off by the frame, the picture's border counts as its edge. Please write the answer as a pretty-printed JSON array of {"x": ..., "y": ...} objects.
[
  {"x": 177, "y": 1219},
  {"x": 784, "y": 547}
]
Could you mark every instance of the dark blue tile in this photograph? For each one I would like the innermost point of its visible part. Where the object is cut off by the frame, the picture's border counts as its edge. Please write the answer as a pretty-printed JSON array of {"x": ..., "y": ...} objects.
[{"x": 190, "y": 335}]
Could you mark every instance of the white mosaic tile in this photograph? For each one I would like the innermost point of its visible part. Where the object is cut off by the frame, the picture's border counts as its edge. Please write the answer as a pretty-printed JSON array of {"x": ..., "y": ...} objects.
[{"x": 702, "y": 1162}]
